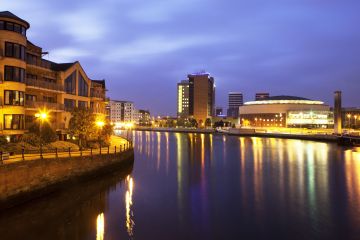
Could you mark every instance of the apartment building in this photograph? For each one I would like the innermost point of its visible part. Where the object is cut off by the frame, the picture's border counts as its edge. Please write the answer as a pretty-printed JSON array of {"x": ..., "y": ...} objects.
[
  {"x": 122, "y": 111},
  {"x": 29, "y": 83}
]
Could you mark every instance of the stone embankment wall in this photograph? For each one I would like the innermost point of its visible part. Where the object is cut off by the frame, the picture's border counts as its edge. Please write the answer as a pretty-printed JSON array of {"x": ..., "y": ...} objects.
[{"x": 25, "y": 180}]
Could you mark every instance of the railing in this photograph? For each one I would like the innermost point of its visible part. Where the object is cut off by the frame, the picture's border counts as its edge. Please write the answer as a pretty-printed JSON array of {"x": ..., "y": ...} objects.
[
  {"x": 44, "y": 84},
  {"x": 97, "y": 95},
  {"x": 7, "y": 158},
  {"x": 47, "y": 105}
]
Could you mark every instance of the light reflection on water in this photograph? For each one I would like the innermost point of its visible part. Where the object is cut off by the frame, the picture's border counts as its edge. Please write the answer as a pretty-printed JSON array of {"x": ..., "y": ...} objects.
[{"x": 208, "y": 186}]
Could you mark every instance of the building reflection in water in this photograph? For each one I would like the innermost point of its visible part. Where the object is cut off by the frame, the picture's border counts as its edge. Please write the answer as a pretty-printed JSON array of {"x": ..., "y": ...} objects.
[
  {"x": 128, "y": 204},
  {"x": 158, "y": 135},
  {"x": 100, "y": 227}
]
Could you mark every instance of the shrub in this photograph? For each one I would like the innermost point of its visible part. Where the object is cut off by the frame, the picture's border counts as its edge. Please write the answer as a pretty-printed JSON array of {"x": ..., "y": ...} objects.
[
  {"x": 61, "y": 145},
  {"x": 3, "y": 141},
  {"x": 31, "y": 138}
]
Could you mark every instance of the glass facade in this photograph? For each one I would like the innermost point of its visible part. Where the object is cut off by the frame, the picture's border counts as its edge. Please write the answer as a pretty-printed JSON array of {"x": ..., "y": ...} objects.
[
  {"x": 14, "y": 50},
  {"x": 83, "y": 87},
  {"x": 82, "y": 104},
  {"x": 69, "y": 104},
  {"x": 13, "y": 121},
  {"x": 14, "y": 98},
  {"x": 14, "y": 74},
  {"x": 70, "y": 83}
]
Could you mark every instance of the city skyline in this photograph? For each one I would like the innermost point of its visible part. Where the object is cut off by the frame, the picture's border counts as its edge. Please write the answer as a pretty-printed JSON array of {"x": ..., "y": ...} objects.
[{"x": 303, "y": 49}]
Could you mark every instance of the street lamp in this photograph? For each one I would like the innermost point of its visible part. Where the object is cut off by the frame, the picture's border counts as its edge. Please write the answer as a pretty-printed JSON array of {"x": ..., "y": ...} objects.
[
  {"x": 349, "y": 119},
  {"x": 100, "y": 125},
  {"x": 42, "y": 116}
]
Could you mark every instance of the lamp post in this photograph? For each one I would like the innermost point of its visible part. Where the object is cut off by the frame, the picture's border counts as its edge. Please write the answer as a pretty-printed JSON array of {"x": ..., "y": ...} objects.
[
  {"x": 42, "y": 116},
  {"x": 355, "y": 117},
  {"x": 100, "y": 125},
  {"x": 349, "y": 119}
]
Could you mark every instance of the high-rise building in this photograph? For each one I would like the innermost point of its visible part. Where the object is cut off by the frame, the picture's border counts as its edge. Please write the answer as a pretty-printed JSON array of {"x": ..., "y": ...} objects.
[
  {"x": 261, "y": 96},
  {"x": 29, "y": 83},
  {"x": 201, "y": 97},
  {"x": 235, "y": 101},
  {"x": 122, "y": 111},
  {"x": 183, "y": 99}
]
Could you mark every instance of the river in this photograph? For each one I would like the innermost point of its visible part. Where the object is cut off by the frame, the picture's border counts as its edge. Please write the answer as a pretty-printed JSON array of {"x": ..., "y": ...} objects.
[{"x": 206, "y": 186}]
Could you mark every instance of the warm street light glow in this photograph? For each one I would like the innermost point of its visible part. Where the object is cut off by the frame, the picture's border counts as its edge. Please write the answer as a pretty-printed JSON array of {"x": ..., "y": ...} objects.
[
  {"x": 42, "y": 115},
  {"x": 100, "y": 124}
]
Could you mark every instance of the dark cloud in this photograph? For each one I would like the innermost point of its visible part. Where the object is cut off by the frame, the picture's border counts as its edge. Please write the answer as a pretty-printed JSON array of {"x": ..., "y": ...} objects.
[{"x": 143, "y": 48}]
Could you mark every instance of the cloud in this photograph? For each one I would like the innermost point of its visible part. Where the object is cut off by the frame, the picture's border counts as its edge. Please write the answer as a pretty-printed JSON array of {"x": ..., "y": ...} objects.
[
  {"x": 84, "y": 25},
  {"x": 68, "y": 54},
  {"x": 154, "y": 47}
]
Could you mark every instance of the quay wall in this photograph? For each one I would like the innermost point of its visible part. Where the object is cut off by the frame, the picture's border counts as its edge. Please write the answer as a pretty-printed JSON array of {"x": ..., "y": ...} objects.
[{"x": 25, "y": 180}]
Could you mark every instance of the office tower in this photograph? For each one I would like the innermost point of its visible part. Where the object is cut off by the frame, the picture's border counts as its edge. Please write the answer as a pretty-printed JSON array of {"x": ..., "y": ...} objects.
[
  {"x": 183, "y": 99},
  {"x": 122, "y": 111},
  {"x": 261, "y": 96},
  {"x": 235, "y": 101},
  {"x": 201, "y": 97},
  {"x": 337, "y": 113}
]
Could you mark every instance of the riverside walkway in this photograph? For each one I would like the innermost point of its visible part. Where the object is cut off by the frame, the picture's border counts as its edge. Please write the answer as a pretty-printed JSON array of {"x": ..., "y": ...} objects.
[{"x": 117, "y": 145}]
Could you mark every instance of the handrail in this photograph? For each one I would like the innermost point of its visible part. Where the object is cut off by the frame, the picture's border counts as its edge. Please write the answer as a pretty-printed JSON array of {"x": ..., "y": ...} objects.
[{"x": 44, "y": 84}]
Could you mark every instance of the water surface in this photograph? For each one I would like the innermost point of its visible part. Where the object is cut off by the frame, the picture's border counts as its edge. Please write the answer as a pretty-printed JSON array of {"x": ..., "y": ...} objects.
[{"x": 196, "y": 186}]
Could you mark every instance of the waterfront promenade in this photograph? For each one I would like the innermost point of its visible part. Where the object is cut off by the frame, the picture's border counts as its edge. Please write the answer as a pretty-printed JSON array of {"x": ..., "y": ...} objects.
[{"x": 117, "y": 145}]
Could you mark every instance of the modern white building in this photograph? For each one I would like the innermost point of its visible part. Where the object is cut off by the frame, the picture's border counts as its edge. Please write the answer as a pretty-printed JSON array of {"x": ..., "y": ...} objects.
[
  {"x": 183, "y": 99},
  {"x": 286, "y": 111}
]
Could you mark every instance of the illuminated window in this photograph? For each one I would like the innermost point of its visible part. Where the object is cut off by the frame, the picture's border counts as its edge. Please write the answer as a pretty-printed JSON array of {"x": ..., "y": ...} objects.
[
  {"x": 13, "y": 121},
  {"x": 15, "y": 98}
]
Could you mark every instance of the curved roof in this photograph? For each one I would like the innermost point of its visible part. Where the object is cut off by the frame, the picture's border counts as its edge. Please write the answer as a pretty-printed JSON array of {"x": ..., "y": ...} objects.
[
  {"x": 7, "y": 14},
  {"x": 285, "y": 97}
]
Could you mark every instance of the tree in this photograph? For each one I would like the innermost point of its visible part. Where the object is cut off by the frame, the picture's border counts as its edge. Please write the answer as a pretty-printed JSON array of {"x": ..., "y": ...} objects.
[
  {"x": 208, "y": 122},
  {"x": 82, "y": 125},
  {"x": 193, "y": 122},
  {"x": 106, "y": 132},
  {"x": 45, "y": 135}
]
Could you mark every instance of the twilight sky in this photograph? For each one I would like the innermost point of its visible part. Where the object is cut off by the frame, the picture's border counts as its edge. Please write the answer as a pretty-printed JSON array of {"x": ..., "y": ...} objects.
[{"x": 307, "y": 48}]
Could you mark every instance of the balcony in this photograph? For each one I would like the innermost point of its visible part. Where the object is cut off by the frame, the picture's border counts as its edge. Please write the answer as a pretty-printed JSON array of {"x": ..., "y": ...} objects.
[
  {"x": 98, "y": 95},
  {"x": 43, "y": 85},
  {"x": 54, "y": 107}
]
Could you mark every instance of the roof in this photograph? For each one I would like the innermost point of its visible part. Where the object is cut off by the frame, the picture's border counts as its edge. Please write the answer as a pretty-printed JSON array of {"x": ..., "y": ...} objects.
[
  {"x": 61, "y": 66},
  {"x": 284, "y": 97},
  {"x": 7, "y": 14},
  {"x": 102, "y": 82}
]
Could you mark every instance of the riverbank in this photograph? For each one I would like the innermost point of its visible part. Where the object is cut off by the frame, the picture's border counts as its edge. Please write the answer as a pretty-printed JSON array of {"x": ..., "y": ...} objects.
[
  {"x": 248, "y": 133},
  {"x": 25, "y": 180}
]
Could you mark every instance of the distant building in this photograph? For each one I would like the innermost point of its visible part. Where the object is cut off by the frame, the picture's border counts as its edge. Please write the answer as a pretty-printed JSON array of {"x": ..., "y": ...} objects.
[
  {"x": 286, "y": 111},
  {"x": 183, "y": 99},
  {"x": 201, "y": 97},
  {"x": 219, "y": 111},
  {"x": 261, "y": 96},
  {"x": 144, "y": 118},
  {"x": 235, "y": 100},
  {"x": 121, "y": 111}
]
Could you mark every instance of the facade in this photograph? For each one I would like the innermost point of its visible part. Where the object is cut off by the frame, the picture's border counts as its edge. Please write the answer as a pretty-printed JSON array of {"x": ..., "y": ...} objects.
[
  {"x": 183, "y": 99},
  {"x": 219, "y": 111},
  {"x": 29, "y": 83},
  {"x": 121, "y": 111},
  {"x": 144, "y": 118},
  {"x": 286, "y": 111},
  {"x": 201, "y": 97},
  {"x": 261, "y": 96},
  {"x": 235, "y": 100}
]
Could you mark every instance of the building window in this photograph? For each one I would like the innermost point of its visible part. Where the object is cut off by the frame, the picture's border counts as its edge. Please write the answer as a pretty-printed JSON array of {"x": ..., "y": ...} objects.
[
  {"x": 31, "y": 98},
  {"x": 14, "y": 74},
  {"x": 14, "y": 50},
  {"x": 83, "y": 87},
  {"x": 12, "y": 27},
  {"x": 82, "y": 104},
  {"x": 70, "y": 104},
  {"x": 13, "y": 121},
  {"x": 15, "y": 98},
  {"x": 31, "y": 59},
  {"x": 70, "y": 83}
]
